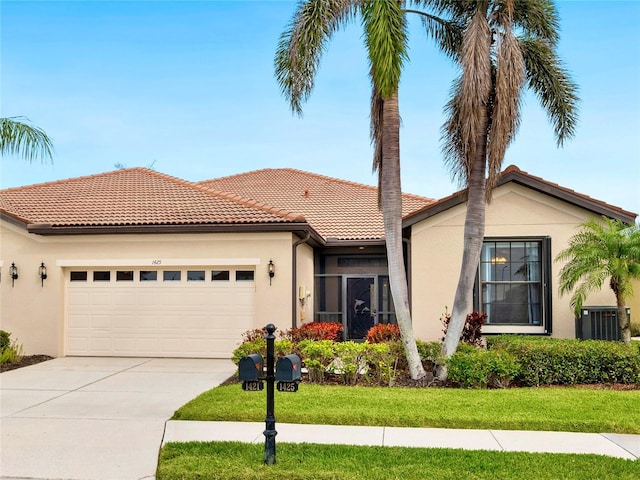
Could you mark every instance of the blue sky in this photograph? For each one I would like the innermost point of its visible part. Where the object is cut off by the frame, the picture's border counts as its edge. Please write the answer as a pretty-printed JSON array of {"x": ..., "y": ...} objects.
[{"x": 188, "y": 87}]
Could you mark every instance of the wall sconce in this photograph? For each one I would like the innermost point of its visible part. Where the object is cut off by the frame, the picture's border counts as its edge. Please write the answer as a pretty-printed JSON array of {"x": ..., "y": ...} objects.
[
  {"x": 42, "y": 270},
  {"x": 13, "y": 272},
  {"x": 272, "y": 270}
]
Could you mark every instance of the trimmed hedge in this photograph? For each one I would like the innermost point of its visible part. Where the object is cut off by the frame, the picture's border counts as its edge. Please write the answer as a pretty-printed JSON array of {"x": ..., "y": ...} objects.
[
  {"x": 509, "y": 360},
  {"x": 548, "y": 361}
]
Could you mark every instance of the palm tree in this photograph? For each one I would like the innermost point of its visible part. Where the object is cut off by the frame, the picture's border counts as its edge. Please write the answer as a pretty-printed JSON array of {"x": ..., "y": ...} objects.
[
  {"x": 507, "y": 45},
  {"x": 385, "y": 36},
  {"x": 17, "y": 137},
  {"x": 606, "y": 249}
]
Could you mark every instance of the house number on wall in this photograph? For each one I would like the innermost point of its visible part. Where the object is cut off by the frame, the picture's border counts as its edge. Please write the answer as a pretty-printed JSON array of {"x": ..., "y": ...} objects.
[{"x": 156, "y": 262}]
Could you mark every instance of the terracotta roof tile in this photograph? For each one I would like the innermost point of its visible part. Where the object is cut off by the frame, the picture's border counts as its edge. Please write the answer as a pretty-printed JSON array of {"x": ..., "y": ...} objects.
[
  {"x": 514, "y": 174},
  {"x": 334, "y": 208},
  {"x": 135, "y": 196}
]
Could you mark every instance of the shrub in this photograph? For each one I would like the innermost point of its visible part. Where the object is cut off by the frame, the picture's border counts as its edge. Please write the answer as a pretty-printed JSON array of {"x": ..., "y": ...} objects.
[
  {"x": 547, "y": 361},
  {"x": 5, "y": 339},
  {"x": 317, "y": 356},
  {"x": 10, "y": 351},
  {"x": 316, "y": 331},
  {"x": 382, "y": 361},
  {"x": 430, "y": 353},
  {"x": 635, "y": 329},
  {"x": 259, "y": 345},
  {"x": 472, "y": 331},
  {"x": 479, "y": 368},
  {"x": 383, "y": 332},
  {"x": 350, "y": 361}
]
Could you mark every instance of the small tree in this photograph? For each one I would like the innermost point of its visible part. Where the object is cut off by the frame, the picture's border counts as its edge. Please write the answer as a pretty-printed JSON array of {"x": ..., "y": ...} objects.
[{"x": 606, "y": 249}]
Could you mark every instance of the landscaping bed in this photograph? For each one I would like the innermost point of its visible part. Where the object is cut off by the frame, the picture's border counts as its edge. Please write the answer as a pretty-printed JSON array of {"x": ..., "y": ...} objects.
[{"x": 24, "y": 361}]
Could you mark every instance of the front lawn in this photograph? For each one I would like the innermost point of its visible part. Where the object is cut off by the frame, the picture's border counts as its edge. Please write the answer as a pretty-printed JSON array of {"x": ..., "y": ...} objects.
[
  {"x": 243, "y": 461},
  {"x": 559, "y": 409}
]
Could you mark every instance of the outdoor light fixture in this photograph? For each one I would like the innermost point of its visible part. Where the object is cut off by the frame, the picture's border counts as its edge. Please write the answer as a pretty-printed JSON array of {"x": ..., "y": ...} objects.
[
  {"x": 272, "y": 270},
  {"x": 43, "y": 273},
  {"x": 13, "y": 272}
]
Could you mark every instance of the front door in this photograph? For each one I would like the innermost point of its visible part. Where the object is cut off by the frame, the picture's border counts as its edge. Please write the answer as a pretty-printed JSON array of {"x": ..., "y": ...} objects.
[{"x": 360, "y": 306}]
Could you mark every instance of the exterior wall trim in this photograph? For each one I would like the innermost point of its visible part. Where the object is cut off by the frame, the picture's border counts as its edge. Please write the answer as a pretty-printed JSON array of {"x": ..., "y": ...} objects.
[{"x": 156, "y": 262}]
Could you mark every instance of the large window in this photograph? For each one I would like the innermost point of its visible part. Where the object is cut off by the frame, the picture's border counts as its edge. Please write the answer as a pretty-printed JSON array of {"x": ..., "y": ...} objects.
[{"x": 513, "y": 282}]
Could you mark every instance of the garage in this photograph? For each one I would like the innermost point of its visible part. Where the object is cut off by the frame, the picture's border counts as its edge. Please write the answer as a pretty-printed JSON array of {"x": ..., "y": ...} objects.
[{"x": 174, "y": 311}]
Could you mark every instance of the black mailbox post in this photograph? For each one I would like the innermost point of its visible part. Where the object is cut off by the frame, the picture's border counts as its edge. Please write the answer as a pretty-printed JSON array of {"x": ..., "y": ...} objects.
[{"x": 288, "y": 373}]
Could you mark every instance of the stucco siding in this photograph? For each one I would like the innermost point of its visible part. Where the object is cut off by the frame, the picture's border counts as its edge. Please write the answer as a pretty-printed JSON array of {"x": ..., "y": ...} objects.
[
  {"x": 515, "y": 211},
  {"x": 35, "y": 314}
]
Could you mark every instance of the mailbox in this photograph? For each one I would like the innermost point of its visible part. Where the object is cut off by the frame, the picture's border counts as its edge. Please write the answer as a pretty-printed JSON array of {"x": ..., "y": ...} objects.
[
  {"x": 250, "y": 368},
  {"x": 288, "y": 368}
]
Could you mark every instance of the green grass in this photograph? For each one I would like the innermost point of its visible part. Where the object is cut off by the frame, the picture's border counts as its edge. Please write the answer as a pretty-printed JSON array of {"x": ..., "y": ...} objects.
[
  {"x": 233, "y": 460},
  {"x": 559, "y": 409}
]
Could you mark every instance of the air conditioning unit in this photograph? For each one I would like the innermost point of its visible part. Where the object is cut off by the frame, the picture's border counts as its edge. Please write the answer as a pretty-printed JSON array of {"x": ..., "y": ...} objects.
[{"x": 599, "y": 323}]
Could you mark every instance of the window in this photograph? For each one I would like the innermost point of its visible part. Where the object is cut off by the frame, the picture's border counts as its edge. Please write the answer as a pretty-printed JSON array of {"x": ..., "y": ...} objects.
[
  {"x": 513, "y": 281},
  {"x": 195, "y": 275},
  {"x": 78, "y": 276},
  {"x": 148, "y": 275},
  {"x": 219, "y": 275},
  {"x": 102, "y": 276},
  {"x": 244, "y": 275},
  {"x": 124, "y": 276},
  {"x": 171, "y": 275}
]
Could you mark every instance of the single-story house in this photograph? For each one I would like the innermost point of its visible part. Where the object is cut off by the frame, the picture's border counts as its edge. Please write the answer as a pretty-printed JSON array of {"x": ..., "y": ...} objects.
[{"x": 137, "y": 263}]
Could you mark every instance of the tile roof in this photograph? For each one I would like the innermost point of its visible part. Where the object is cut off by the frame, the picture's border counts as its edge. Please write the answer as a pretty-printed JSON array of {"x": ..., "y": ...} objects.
[
  {"x": 135, "y": 196},
  {"x": 336, "y": 209},
  {"x": 514, "y": 174}
]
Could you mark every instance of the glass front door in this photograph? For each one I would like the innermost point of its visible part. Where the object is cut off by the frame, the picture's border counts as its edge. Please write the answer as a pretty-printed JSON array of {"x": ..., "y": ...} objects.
[{"x": 360, "y": 306}]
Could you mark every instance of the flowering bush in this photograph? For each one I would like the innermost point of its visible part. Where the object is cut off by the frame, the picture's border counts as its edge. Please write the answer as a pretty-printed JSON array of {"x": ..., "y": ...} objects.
[
  {"x": 316, "y": 331},
  {"x": 383, "y": 332},
  {"x": 472, "y": 331}
]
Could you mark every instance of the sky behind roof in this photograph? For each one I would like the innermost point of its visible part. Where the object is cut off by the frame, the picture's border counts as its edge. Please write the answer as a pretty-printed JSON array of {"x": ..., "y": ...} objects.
[{"x": 188, "y": 88}]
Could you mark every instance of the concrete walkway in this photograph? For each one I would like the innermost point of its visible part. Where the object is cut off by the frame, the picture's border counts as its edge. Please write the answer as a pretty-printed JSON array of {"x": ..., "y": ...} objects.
[
  {"x": 78, "y": 418},
  {"x": 614, "y": 445}
]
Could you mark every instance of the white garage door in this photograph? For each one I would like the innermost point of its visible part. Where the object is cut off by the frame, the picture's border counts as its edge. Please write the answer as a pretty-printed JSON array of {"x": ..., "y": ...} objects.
[{"x": 165, "y": 312}]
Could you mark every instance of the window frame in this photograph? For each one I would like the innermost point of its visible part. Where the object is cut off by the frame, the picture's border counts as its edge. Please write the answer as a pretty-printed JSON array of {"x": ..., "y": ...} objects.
[{"x": 545, "y": 328}]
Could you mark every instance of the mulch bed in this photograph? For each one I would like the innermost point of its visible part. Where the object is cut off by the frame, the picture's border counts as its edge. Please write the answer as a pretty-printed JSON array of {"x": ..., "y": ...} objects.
[{"x": 24, "y": 362}]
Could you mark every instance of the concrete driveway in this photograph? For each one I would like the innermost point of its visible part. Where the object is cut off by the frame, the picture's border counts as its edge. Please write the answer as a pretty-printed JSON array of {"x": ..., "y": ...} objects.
[{"x": 87, "y": 418}]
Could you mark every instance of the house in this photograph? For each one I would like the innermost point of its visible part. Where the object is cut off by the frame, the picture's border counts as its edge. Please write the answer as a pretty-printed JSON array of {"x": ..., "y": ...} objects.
[{"x": 137, "y": 263}]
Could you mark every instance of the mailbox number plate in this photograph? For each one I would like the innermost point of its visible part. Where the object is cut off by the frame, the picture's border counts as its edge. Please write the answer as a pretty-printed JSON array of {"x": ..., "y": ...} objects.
[
  {"x": 287, "y": 386},
  {"x": 252, "y": 386}
]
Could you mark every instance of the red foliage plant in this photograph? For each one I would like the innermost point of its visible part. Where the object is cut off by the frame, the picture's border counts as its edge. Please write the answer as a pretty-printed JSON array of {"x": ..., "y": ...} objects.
[
  {"x": 383, "y": 332},
  {"x": 316, "y": 331},
  {"x": 472, "y": 331}
]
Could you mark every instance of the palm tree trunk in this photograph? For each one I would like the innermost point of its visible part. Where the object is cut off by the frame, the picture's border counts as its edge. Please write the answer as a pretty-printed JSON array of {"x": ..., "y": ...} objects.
[
  {"x": 473, "y": 239},
  {"x": 623, "y": 323},
  {"x": 391, "y": 205}
]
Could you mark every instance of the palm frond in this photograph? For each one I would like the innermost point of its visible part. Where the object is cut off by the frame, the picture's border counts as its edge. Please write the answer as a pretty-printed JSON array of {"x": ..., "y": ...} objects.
[
  {"x": 302, "y": 44},
  {"x": 475, "y": 84},
  {"x": 538, "y": 18},
  {"x": 451, "y": 138},
  {"x": 552, "y": 85},
  {"x": 18, "y": 137},
  {"x": 377, "y": 106},
  {"x": 603, "y": 249},
  {"x": 446, "y": 33},
  {"x": 507, "y": 98},
  {"x": 386, "y": 41}
]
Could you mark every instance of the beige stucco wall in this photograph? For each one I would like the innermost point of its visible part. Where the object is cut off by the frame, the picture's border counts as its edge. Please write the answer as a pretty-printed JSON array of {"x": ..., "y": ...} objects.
[
  {"x": 34, "y": 314},
  {"x": 305, "y": 283},
  {"x": 436, "y": 249}
]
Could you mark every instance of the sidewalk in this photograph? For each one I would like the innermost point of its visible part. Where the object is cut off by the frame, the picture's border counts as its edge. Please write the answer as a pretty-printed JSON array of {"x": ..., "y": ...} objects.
[{"x": 613, "y": 445}]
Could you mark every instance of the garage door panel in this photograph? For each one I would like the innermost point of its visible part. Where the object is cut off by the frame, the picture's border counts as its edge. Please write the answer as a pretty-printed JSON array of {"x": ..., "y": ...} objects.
[{"x": 172, "y": 319}]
